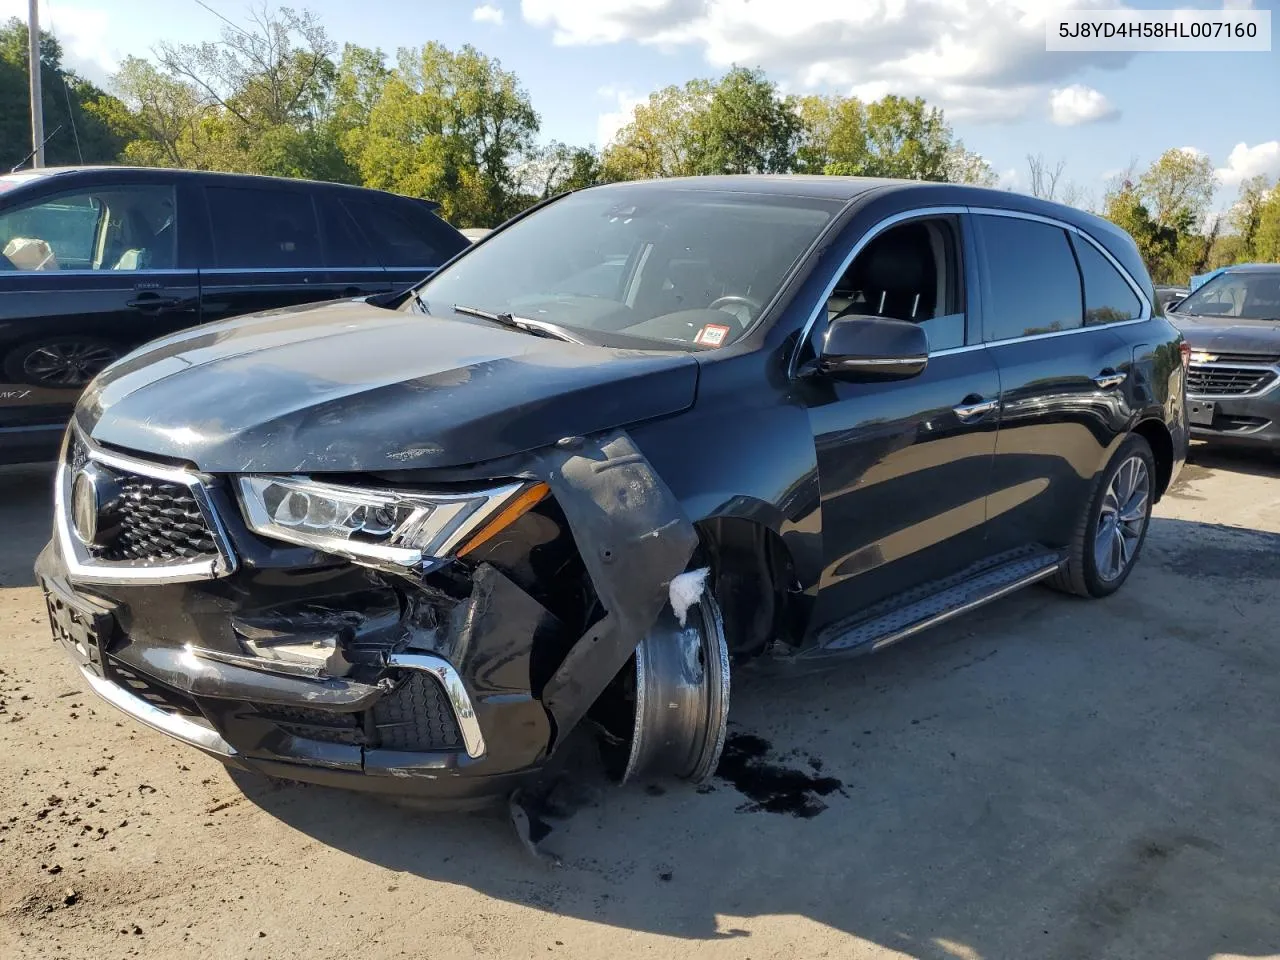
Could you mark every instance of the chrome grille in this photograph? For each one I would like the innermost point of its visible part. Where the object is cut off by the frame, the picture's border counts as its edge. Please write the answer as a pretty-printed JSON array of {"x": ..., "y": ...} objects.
[
  {"x": 1221, "y": 380},
  {"x": 157, "y": 524},
  {"x": 1257, "y": 359}
]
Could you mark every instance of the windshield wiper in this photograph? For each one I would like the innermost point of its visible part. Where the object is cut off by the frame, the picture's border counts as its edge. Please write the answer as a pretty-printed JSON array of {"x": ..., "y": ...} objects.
[{"x": 538, "y": 328}]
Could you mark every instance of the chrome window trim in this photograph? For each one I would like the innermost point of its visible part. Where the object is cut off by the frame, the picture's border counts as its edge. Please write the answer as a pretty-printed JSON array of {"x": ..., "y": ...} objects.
[
  {"x": 83, "y": 568},
  {"x": 952, "y": 210},
  {"x": 1252, "y": 395},
  {"x": 106, "y": 272}
]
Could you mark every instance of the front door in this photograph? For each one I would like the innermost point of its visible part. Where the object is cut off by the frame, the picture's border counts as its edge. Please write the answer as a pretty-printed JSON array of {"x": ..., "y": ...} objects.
[
  {"x": 86, "y": 275},
  {"x": 904, "y": 467}
]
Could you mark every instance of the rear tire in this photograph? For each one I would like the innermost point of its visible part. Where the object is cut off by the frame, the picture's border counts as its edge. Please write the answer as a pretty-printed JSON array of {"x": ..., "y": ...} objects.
[{"x": 1112, "y": 526}]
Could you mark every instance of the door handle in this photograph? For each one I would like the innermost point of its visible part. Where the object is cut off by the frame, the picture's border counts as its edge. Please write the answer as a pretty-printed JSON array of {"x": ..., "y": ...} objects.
[
  {"x": 1109, "y": 378},
  {"x": 974, "y": 409},
  {"x": 154, "y": 303}
]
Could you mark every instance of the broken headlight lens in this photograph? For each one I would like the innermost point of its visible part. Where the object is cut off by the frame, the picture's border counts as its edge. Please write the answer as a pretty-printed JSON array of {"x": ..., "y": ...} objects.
[{"x": 394, "y": 528}]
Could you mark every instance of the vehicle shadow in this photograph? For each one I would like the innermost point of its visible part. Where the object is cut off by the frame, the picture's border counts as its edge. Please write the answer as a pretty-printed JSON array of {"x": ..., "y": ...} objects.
[
  {"x": 1049, "y": 777},
  {"x": 1254, "y": 463},
  {"x": 26, "y": 499}
]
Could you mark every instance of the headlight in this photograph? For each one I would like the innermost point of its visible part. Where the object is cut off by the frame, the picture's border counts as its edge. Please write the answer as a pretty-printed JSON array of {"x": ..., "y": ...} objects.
[{"x": 390, "y": 528}]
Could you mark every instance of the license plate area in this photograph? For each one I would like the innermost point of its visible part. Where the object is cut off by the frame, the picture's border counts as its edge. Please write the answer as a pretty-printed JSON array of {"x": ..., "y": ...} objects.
[
  {"x": 1201, "y": 412},
  {"x": 82, "y": 627}
]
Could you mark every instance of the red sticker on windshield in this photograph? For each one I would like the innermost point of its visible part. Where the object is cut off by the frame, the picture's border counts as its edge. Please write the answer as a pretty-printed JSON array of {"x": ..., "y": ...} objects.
[{"x": 712, "y": 335}]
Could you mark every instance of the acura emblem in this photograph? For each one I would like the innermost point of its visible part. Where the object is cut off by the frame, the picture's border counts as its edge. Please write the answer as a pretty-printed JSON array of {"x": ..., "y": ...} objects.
[{"x": 93, "y": 495}]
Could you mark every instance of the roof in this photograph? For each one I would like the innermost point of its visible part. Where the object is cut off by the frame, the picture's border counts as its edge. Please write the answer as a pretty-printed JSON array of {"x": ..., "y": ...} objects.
[
  {"x": 779, "y": 184},
  {"x": 42, "y": 172}
]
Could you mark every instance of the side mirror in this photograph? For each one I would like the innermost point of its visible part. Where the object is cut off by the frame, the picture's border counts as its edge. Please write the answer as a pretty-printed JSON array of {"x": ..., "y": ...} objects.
[{"x": 873, "y": 348}]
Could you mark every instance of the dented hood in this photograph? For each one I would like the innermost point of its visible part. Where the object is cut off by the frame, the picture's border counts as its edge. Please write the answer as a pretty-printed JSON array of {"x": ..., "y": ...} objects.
[{"x": 351, "y": 387}]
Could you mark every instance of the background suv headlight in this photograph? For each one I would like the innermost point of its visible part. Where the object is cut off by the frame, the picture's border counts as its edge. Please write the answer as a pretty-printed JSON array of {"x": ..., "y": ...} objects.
[{"x": 379, "y": 527}]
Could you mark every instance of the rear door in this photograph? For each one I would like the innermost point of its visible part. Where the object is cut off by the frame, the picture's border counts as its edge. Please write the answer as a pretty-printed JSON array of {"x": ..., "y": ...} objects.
[
  {"x": 265, "y": 249},
  {"x": 409, "y": 240},
  {"x": 1062, "y": 400},
  {"x": 353, "y": 268},
  {"x": 87, "y": 273}
]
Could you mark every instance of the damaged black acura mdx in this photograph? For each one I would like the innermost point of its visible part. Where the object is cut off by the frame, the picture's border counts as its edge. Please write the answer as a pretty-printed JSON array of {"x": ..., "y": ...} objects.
[{"x": 639, "y": 434}]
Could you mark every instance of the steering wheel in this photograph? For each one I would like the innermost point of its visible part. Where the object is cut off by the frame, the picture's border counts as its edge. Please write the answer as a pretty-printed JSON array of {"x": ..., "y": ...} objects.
[{"x": 753, "y": 306}]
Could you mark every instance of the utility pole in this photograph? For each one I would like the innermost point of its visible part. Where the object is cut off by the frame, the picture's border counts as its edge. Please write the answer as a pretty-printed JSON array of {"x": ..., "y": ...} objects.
[{"x": 37, "y": 100}]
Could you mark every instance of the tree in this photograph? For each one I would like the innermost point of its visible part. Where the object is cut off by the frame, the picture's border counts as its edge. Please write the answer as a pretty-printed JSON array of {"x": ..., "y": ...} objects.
[
  {"x": 747, "y": 127},
  {"x": 1044, "y": 181},
  {"x": 833, "y": 131},
  {"x": 1266, "y": 241},
  {"x": 160, "y": 116},
  {"x": 1246, "y": 215},
  {"x": 664, "y": 137},
  {"x": 555, "y": 169},
  {"x": 73, "y": 107},
  {"x": 963, "y": 166},
  {"x": 1178, "y": 188},
  {"x": 1158, "y": 244},
  {"x": 452, "y": 126}
]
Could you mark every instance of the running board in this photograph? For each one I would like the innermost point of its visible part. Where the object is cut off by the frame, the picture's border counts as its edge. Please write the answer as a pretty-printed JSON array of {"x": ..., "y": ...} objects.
[{"x": 900, "y": 617}]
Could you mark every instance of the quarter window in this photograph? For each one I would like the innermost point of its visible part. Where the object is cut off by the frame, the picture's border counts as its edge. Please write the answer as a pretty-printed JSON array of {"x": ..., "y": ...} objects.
[
  {"x": 404, "y": 235},
  {"x": 1033, "y": 285},
  {"x": 107, "y": 228},
  {"x": 343, "y": 245},
  {"x": 255, "y": 229},
  {"x": 1108, "y": 298}
]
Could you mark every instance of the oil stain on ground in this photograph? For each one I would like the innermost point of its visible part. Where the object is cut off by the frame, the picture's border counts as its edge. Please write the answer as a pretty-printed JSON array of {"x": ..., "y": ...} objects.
[{"x": 769, "y": 785}]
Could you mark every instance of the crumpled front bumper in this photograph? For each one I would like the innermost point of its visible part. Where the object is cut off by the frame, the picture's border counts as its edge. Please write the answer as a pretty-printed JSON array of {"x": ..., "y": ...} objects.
[{"x": 254, "y": 718}]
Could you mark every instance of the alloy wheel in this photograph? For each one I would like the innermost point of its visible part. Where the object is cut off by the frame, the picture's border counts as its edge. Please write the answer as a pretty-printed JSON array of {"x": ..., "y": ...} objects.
[
  {"x": 68, "y": 364},
  {"x": 1122, "y": 519}
]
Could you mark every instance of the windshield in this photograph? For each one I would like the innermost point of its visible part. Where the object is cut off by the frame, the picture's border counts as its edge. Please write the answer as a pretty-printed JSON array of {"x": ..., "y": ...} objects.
[
  {"x": 1247, "y": 295},
  {"x": 663, "y": 264}
]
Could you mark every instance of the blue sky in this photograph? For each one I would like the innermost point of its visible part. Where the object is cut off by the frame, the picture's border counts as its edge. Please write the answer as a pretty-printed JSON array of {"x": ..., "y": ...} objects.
[{"x": 585, "y": 62}]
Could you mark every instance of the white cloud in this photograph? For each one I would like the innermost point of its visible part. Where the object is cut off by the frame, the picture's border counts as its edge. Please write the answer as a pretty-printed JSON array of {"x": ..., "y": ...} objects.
[
  {"x": 1076, "y": 104},
  {"x": 80, "y": 30},
  {"x": 983, "y": 59},
  {"x": 488, "y": 13},
  {"x": 1245, "y": 161},
  {"x": 1237, "y": 4},
  {"x": 611, "y": 121}
]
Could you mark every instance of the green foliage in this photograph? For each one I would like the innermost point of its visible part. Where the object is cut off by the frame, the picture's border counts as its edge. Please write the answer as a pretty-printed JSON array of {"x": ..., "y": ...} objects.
[
  {"x": 275, "y": 96},
  {"x": 74, "y": 109}
]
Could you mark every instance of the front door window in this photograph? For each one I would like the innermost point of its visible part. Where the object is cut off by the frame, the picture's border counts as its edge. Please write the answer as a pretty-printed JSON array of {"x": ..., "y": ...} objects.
[{"x": 106, "y": 228}]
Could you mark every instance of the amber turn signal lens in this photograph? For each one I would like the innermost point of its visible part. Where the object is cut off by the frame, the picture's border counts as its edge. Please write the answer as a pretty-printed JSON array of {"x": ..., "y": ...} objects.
[{"x": 513, "y": 511}]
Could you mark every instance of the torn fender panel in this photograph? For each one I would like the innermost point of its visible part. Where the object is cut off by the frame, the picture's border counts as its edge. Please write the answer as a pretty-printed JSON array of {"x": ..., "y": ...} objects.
[{"x": 634, "y": 538}]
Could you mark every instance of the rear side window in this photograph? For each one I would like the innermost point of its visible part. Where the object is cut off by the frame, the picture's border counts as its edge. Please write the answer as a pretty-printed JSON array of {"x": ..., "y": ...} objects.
[
  {"x": 405, "y": 234},
  {"x": 1108, "y": 298},
  {"x": 343, "y": 245},
  {"x": 1033, "y": 285},
  {"x": 255, "y": 228}
]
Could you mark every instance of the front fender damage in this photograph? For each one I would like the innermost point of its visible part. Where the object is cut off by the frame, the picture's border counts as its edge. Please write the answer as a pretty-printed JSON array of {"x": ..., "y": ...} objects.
[{"x": 634, "y": 539}]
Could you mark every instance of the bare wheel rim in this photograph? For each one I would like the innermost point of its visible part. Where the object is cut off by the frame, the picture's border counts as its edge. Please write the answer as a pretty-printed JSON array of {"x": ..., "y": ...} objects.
[
  {"x": 1122, "y": 520},
  {"x": 66, "y": 364}
]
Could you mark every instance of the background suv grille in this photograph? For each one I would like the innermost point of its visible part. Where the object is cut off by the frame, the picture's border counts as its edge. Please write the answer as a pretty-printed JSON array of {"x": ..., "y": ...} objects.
[{"x": 1214, "y": 380}]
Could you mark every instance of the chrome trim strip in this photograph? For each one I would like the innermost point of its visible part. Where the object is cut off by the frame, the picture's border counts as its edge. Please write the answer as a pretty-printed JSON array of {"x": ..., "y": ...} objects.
[
  {"x": 879, "y": 227},
  {"x": 83, "y": 568},
  {"x": 454, "y": 689},
  {"x": 1252, "y": 395},
  {"x": 172, "y": 724},
  {"x": 966, "y": 607}
]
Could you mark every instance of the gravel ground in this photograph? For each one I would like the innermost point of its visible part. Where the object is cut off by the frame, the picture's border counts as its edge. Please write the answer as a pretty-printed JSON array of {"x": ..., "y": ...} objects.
[{"x": 1047, "y": 778}]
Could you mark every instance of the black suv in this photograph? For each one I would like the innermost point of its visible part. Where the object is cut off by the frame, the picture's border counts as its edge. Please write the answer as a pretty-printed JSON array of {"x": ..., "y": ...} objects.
[
  {"x": 641, "y": 434},
  {"x": 95, "y": 261}
]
